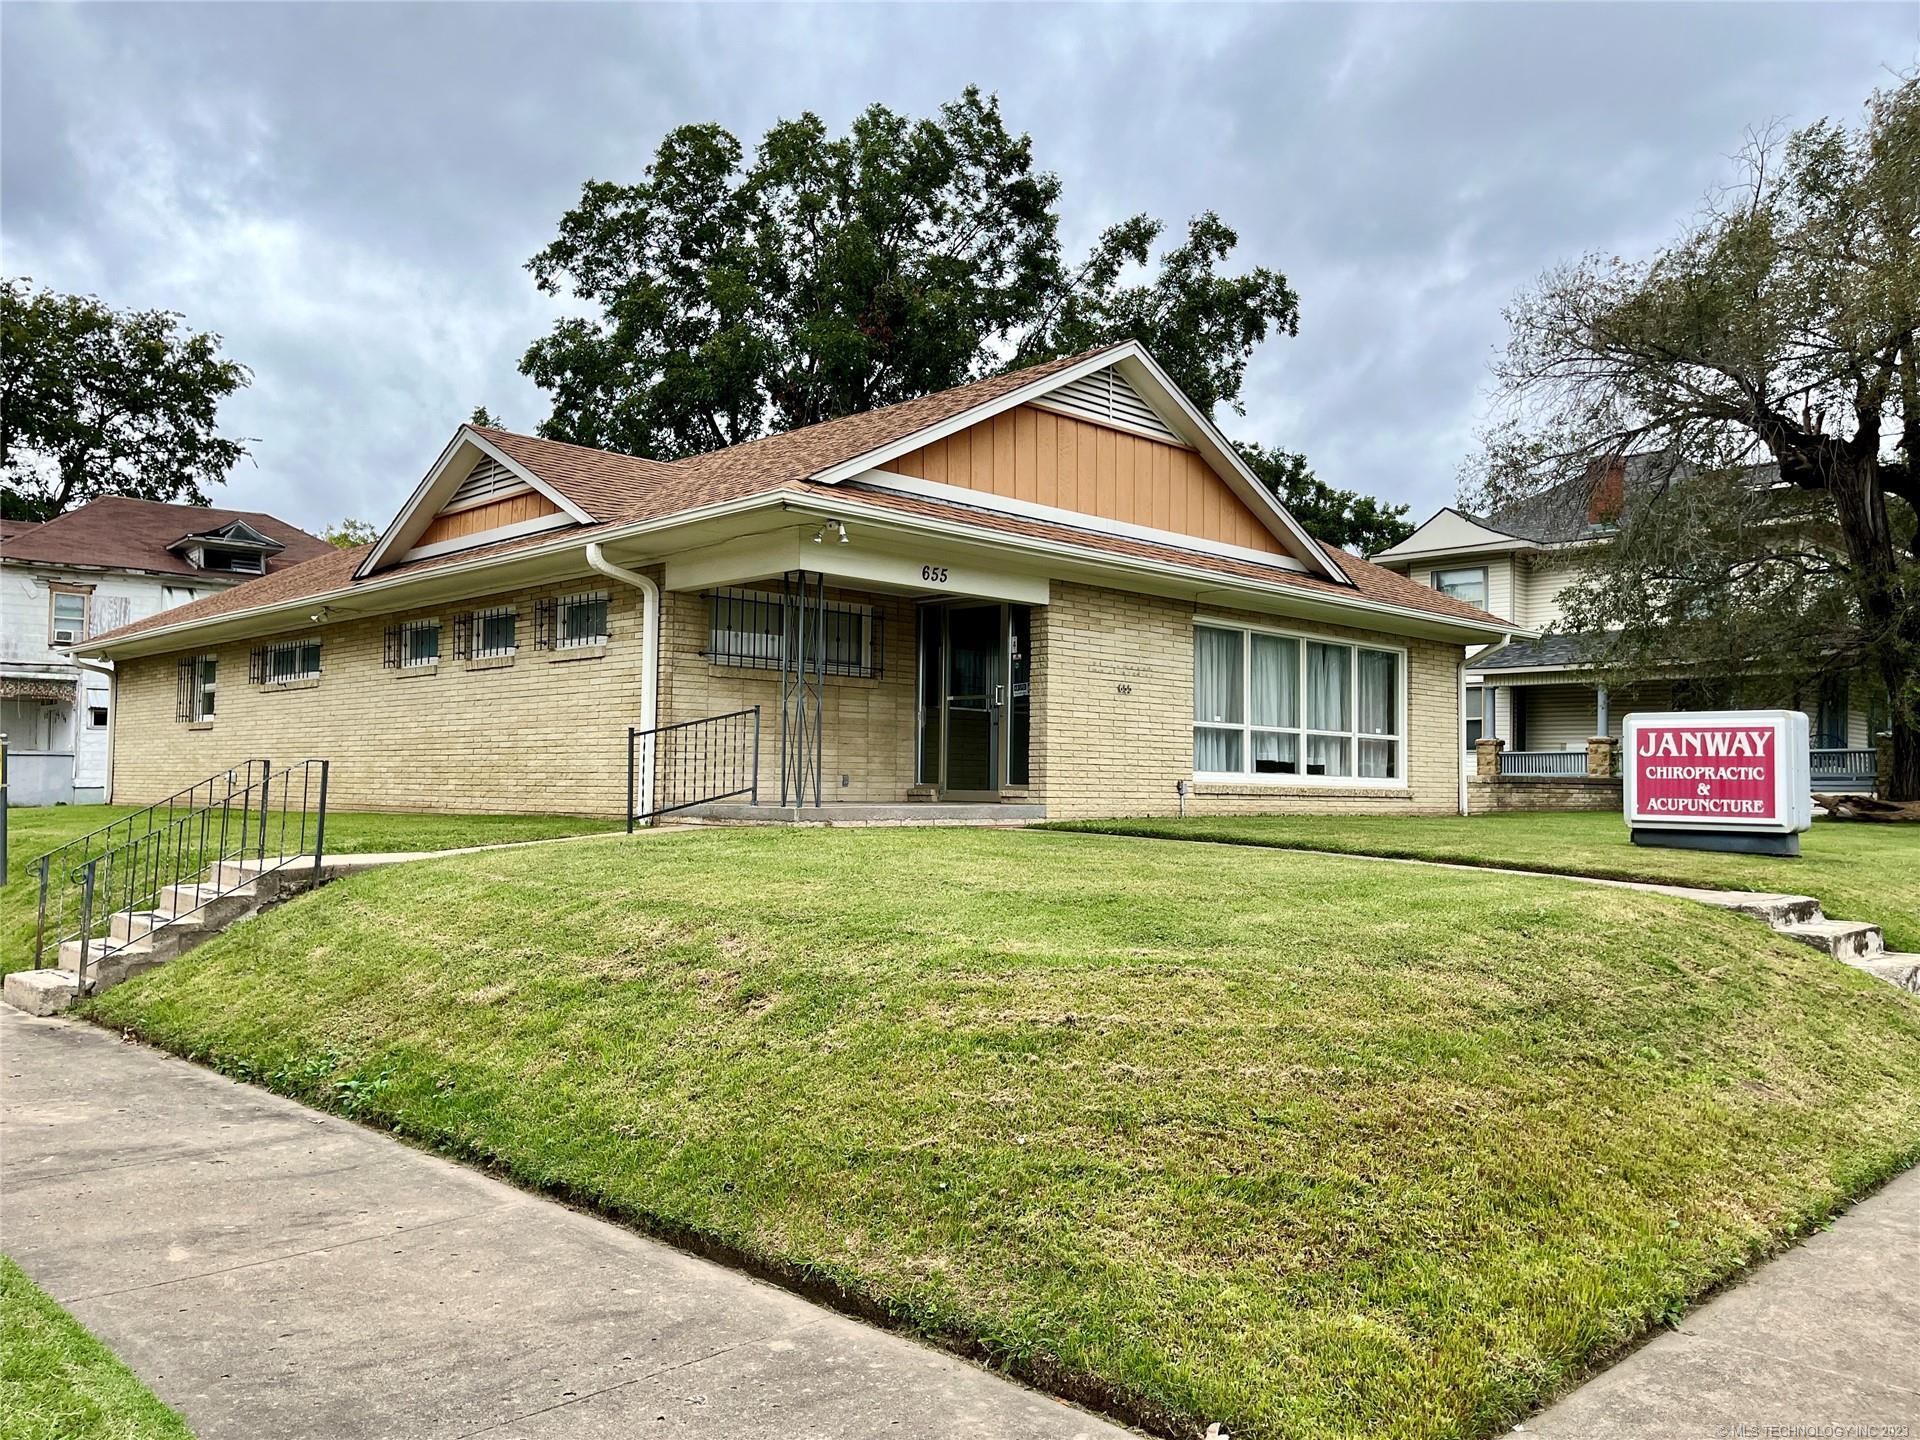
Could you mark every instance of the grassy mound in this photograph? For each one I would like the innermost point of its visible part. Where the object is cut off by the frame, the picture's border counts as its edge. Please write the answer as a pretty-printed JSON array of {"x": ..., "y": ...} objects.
[
  {"x": 1308, "y": 1146},
  {"x": 1857, "y": 871}
]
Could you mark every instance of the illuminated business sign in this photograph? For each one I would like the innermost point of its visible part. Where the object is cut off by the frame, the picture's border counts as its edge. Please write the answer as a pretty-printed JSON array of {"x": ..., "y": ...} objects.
[{"x": 1739, "y": 774}]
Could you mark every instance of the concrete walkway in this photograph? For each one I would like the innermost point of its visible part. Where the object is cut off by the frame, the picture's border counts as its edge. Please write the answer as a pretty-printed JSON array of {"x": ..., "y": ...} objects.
[
  {"x": 269, "y": 1270},
  {"x": 1824, "y": 1340}
]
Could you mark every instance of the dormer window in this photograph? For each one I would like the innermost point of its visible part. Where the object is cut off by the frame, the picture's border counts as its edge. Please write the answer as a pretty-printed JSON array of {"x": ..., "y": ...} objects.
[
  {"x": 235, "y": 549},
  {"x": 240, "y": 562}
]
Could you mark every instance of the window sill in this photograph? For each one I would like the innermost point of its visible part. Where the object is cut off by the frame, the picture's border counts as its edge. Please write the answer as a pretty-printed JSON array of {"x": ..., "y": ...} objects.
[
  {"x": 771, "y": 674},
  {"x": 1263, "y": 784},
  {"x": 407, "y": 672},
  {"x": 491, "y": 662},
  {"x": 198, "y": 725},
  {"x": 310, "y": 682},
  {"x": 577, "y": 652}
]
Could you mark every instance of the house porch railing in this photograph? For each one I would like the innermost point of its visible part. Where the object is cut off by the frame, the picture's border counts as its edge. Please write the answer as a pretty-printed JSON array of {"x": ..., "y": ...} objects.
[
  {"x": 1851, "y": 768},
  {"x": 1544, "y": 762}
]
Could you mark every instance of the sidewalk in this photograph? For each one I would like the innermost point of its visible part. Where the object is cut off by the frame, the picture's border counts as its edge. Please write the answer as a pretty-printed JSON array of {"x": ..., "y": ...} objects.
[
  {"x": 269, "y": 1270},
  {"x": 1823, "y": 1341}
]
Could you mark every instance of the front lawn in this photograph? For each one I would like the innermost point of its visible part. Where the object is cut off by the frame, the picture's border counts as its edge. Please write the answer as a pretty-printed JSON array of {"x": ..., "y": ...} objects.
[
  {"x": 37, "y": 829},
  {"x": 59, "y": 1383},
  {"x": 1857, "y": 871},
  {"x": 1305, "y": 1145}
]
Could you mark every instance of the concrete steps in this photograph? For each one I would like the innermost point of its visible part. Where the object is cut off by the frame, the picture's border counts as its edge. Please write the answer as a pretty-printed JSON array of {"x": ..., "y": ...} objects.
[
  {"x": 135, "y": 941},
  {"x": 1895, "y": 968},
  {"x": 1850, "y": 940}
]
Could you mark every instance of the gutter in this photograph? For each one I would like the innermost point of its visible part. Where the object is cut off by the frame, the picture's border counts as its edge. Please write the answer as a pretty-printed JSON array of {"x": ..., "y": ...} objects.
[{"x": 649, "y": 659}]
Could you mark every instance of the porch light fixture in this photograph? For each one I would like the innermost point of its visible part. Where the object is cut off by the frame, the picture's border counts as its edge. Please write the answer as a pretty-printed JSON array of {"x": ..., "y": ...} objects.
[{"x": 820, "y": 535}]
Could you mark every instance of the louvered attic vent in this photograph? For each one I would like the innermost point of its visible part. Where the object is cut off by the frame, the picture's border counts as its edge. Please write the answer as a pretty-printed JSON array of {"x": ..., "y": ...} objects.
[
  {"x": 1105, "y": 395},
  {"x": 488, "y": 480}
]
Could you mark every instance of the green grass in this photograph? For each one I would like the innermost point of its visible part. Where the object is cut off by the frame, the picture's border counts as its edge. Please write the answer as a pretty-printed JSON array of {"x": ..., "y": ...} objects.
[
  {"x": 1856, "y": 871},
  {"x": 59, "y": 1383},
  {"x": 1306, "y": 1145},
  {"x": 36, "y": 830}
]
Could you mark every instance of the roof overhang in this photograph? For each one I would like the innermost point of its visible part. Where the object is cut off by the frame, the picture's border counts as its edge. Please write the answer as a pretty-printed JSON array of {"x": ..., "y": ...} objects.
[
  {"x": 1181, "y": 415},
  {"x": 462, "y": 452},
  {"x": 678, "y": 539},
  {"x": 1469, "y": 537}
]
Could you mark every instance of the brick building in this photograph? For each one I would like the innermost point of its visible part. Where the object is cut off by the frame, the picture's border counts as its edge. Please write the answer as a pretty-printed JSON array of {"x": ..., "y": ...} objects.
[{"x": 1057, "y": 590}]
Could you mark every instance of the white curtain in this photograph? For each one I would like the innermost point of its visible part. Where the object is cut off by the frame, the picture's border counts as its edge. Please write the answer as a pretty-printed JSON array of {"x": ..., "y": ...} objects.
[
  {"x": 1216, "y": 752},
  {"x": 1216, "y": 677},
  {"x": 1379, "y": 706},
  {"x": 1327, "y": 755},
  {"x": 1329, "y": 706},
  {"x": 1275, "y": 754},
  {"x": 1276, "y": 670}
]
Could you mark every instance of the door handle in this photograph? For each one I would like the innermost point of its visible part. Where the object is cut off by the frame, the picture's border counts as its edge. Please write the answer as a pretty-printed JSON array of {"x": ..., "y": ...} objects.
[{"x": 999, "y": 696}]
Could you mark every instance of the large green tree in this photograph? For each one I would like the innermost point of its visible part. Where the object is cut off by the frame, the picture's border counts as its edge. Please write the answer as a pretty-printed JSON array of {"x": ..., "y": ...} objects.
[
  {"x": 1347, "y": 518},
  {"x": 97, "y": 401},
  {"x": 1765, "y": 369},
  {"x": 826, "y": 274}
]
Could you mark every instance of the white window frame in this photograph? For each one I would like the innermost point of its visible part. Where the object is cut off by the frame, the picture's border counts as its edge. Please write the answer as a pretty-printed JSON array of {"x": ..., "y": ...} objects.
[
  {"x": 410, "y": 661},
  {"x": 78, "y": 630},
  {"x": 1476, "y": 714},
  {"x": 480, "y": 650},
  {"x": 296, "y": 648},
  {"x": 1353, "y": 735},
  {"x": 734, "y": 655},
  {"x": 561, "y": 640},
  {"x": 206, "y": 683},
  {"x": 1486, "y": 583}
]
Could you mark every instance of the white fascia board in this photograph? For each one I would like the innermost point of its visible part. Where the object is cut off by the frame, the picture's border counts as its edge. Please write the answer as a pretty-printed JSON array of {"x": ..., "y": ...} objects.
[
  {"x": 1144, "y": 376},
  {"x": 439, "y": 482},
  {"x": 381, "y": 588},
  {"x": 1194, "y": 581}
]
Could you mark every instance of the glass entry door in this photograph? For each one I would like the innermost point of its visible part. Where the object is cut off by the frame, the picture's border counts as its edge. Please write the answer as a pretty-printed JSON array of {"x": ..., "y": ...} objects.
[{"x": 973, "y": 699}]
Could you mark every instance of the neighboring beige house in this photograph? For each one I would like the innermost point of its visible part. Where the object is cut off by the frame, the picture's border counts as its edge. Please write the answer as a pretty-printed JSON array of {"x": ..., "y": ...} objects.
[
  {"x": 94, "y": 569},
  {"x": 1538, "y": 691},
  {"x": 1057, "y": 591}
]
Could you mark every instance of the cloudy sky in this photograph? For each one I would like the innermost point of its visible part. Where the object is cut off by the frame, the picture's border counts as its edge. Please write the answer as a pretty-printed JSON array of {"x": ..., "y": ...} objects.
[{"x": 348, "y": 193}]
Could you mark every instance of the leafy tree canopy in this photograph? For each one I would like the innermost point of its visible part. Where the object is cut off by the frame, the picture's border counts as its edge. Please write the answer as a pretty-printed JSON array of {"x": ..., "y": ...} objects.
[
  {"x": 351, "y": 532},
  {"x": 1346, "y": 518},
  {"x": 96, "y": 401},
  {"x": 484, "y": 417},
  {"x": 827, "y": 274},
  {"x": 1763, "y": 371}
]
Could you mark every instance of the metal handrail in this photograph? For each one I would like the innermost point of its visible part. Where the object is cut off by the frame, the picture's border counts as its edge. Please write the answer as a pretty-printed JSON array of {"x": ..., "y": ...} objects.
[
  {"x": 242, "y": 828},
  {"x": 57, "y": 871},
  {"x": 692, "y": 762}
]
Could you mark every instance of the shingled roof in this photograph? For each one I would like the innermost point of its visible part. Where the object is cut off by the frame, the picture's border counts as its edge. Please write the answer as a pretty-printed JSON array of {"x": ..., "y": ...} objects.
[
  {"x": 619, "y": 490},
  {"x": 118, "y": 532}
]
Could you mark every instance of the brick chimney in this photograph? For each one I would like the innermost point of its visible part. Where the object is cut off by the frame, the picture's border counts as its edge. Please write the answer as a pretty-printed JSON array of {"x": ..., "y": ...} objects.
[{"x": 1608, "y": 482}]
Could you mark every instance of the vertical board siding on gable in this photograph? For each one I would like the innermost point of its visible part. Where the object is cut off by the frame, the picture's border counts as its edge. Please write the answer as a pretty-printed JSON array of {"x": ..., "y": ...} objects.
[
  {"x": 1048, "y": 459},
  {"x": 527, "y": 505}
]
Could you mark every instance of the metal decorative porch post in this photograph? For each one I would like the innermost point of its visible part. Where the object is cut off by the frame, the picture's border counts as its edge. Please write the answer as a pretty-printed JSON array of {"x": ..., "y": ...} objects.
[{"x": 803, "y": 677}]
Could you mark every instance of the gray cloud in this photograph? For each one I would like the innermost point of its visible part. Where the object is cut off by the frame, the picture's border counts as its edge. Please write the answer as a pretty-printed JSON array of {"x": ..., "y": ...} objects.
[{"x": 348, "y": 192}]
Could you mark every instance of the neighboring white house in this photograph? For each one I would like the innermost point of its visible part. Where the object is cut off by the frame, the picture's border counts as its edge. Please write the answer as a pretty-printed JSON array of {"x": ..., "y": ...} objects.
[
  {"x": 83, "y": 573},
  {"x": 1541, "y": 695}
]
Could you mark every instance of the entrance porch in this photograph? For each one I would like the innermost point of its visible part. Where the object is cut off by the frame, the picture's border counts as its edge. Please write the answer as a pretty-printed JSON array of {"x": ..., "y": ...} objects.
[{"x": 803, "y": 697}]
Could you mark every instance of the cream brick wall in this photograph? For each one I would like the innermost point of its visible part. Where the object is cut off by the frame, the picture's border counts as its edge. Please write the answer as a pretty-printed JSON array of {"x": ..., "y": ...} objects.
[
  {"x": 542, "y": 732},
  {"x": 1114, "y": 706},
  {"x": 868, "y": 723}
]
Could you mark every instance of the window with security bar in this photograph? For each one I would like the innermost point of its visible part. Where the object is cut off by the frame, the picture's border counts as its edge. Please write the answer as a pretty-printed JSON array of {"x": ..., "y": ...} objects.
[
  {"x": 412, "y": 645},
  {"x": 752, "y": 628},
  {"x": 571, "y": 621},
  {"x": 487, "y": 634},
  {"x": 279, "y": 664},
  {"x": 197, "y": 675}
]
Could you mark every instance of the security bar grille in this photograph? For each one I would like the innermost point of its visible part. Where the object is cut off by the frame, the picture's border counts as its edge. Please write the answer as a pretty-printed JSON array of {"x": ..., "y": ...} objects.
[{"x": 753, "y": 628}]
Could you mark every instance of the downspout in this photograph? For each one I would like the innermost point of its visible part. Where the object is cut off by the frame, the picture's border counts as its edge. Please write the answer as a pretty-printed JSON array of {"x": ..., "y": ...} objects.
[
  {"x": 113, "y": 711},
  {"x": 649, "y": 659},
  {"x": 1460, "y": 710}
]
